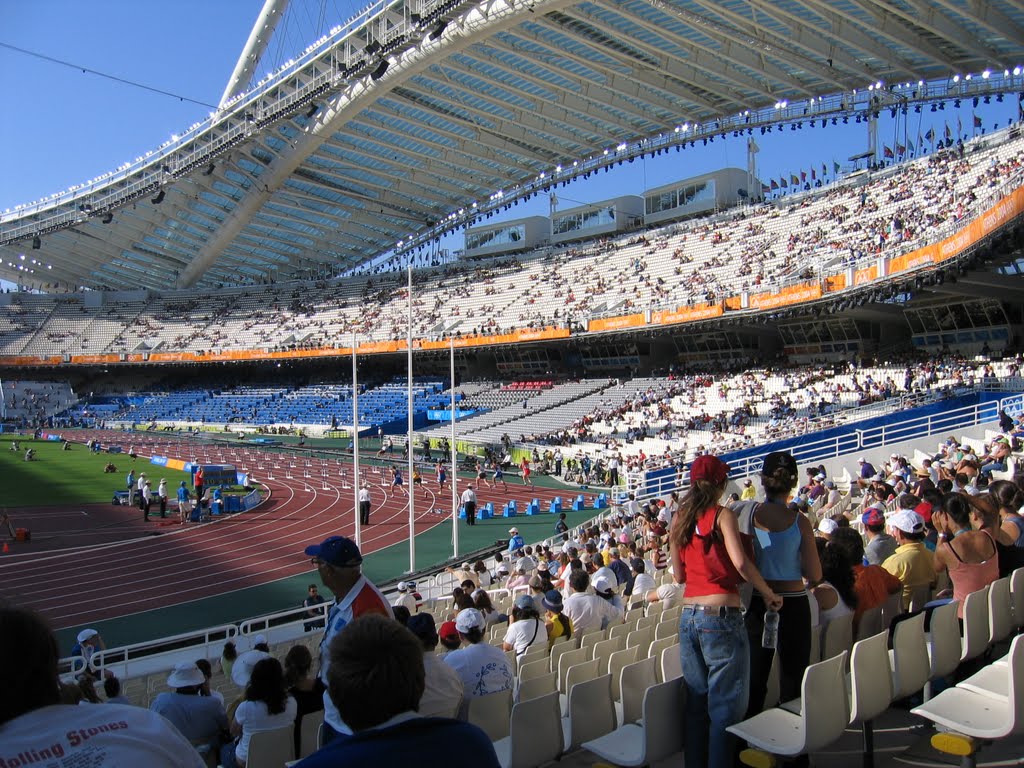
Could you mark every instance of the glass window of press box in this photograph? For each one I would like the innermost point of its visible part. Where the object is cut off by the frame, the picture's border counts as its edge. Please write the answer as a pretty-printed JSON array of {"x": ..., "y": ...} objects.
[{"x": 511, "y": 235}]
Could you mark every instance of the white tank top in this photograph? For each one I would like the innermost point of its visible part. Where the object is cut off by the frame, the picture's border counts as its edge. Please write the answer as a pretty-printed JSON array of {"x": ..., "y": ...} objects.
[{"x": 837, "y": 610}]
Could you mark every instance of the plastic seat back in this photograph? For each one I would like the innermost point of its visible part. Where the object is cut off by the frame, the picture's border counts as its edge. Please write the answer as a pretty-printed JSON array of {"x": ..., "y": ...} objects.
[
  {"x": 567, "y": 660},
  {"x": 910, "y": 666},
  {"x": 532, "y": 669},
  {"x": 671, "y": 664},
  {"x": 837, "y": 636},
  {"x": 666, "y": 629},
  {"x": 538, "y": 686},
  {"x": 535, "y": 732},
  {"x": 870, "y": 679},
  {"x": 662, "y": 714},
  {"x": 1017, "y": 597},
  {"x": 636, "y": 679},
  {"x": 604, "y": 649},
  {"x": 919, "y": 596},
  {"x": 1000, "y": 611},
  {"x": 616, "y": 663},
  {"x": 891, "y": 608},
  {"x": 491, "y": 713},
  {"x": 976, "y": 633},
  {"x": 309, "y": 732},
  {"x": 591, "y": 710},
  {"x": 578, "y": 673},
  {"x": 641, "y": 638},
  {"x": 944, "y": 640},
  {"x": 825, "y": 709},
  {"x": 272, "y": 749},
  {"x": 870, "y": 623}
]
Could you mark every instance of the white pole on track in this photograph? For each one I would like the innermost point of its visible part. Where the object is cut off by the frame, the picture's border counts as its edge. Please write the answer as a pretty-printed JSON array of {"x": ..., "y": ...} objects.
[
  {"x": 409, "y": 483},
  {"x": 355, "y": 444},
  {"x": 455, "y": 453}
]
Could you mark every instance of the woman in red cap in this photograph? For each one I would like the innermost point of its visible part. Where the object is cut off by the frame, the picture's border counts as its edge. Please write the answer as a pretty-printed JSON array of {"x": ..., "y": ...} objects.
[{"x": 708, "y": 556}]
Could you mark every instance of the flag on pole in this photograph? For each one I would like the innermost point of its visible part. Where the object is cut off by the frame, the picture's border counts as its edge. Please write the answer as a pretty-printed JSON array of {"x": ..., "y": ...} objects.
[
  {"x": 752, "y": 146},
  {"x": 765, "y": 189},
  {"x": 911, "y": 147},
  {"x": 948, "y": 133},
  {"x": 900, "y": 149},
  {"x": 813, "y": 175},
  {"x": 930, "y": 135},
  {"x": 803, "y": 175},
  {"x": 887, "y": 152},
  {"x": 977, "y": 121},
  {"x": 959, "y": 127},
  {"x": 835, "y": 167},
  {"x": 824, "y": 170},
  {"x": 782, "y": 182},
  {"x": 793, "y": 179},
  {"x": 775, "y": 184}
]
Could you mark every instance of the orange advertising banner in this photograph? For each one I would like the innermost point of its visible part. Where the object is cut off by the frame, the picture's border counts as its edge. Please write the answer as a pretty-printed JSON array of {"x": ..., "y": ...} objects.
[
  {"x": 616, "y": 323},
  {"x": 94, "y": 359},
  {"x": 792, "y": 295},
  {"x": 835, "y": 283},
  {"x": 1006, "y": 209},
  {"x": 527, "y": 334},
  {"x": 866, "y": 275},
  {"x": 920, "y": 257},
  {"x": 18, "y": 360},
  {"x": 686, "y": 314}
]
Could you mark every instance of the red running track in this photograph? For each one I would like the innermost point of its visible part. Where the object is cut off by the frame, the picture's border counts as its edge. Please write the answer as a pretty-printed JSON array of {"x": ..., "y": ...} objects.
[{"x": 89, "y": 583}]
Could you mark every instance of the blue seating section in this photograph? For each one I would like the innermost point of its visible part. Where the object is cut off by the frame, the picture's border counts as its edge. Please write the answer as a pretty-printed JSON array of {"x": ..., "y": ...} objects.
[{"x": 313, "y": 404}]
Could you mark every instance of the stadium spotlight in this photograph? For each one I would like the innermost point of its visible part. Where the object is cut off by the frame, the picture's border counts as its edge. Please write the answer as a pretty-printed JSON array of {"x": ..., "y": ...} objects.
[
  {"x": 108, "y": 218},
  {"x": 209, "y": 170},
  {"x": 378, "y": 73},
  {"x": 159, "y": 198},
  {"x": 313, "y": 110},
  {"x": 36, "y": 243}
]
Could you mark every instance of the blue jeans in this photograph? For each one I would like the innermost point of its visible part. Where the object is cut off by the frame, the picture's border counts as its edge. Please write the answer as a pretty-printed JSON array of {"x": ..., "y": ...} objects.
[
  {"x": 716, "y": 671},
  {"x": 998, "y": 465}
]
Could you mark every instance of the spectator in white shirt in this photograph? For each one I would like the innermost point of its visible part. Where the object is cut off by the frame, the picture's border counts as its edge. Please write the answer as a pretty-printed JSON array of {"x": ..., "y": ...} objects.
[
  {"x": 587, "y": 612},
  {"x": 643, "y": 582},
  {"x": 525, "y": 627}
]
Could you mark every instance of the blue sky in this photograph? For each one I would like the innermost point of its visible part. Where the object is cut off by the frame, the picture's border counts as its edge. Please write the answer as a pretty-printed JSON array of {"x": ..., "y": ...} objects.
[{"x": 63, "y": 126}]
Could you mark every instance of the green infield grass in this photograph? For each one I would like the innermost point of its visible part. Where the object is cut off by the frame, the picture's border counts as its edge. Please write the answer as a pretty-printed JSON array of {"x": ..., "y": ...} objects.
[{"x": 68, "y": 477}]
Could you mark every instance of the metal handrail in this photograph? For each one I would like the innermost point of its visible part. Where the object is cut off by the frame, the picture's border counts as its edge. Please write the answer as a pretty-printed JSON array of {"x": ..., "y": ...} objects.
[{"x": 125, "y": 654}]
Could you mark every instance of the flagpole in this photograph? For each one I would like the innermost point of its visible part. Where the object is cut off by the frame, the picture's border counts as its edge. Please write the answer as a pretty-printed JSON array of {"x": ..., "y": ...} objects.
[
  {"x": 454, "y": 453},
  {"x": 409, "y": 439},
  {"x": 355, "y": 444}
]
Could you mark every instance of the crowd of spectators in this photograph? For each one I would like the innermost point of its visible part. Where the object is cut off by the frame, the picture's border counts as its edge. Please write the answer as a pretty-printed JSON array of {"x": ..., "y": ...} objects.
[
  {"x": 669, "y": 422},
  {"x": 705, "y": 260}
]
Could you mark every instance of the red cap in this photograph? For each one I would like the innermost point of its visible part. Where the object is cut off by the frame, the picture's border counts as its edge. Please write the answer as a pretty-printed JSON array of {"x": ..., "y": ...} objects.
[
  {"x": 448, "y": 631},
  {"x": 924, "y": 509},
  {"x": 710, "y": 469}
]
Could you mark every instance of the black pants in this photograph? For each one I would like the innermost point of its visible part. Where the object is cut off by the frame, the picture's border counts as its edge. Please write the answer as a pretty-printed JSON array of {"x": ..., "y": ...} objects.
[
  {"x": 364, "y": 513},
  {"x": 470, "y": 512},
  {"x": 793, "y": 647}
]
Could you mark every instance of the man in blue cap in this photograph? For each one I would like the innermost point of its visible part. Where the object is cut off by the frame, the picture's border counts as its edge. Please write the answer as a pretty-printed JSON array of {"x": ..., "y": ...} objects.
[{"x": 338, "y": 561}]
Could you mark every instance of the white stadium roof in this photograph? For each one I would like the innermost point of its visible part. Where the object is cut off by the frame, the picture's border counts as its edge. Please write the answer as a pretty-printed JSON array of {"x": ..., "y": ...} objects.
[{"x": 419, "y": 115}]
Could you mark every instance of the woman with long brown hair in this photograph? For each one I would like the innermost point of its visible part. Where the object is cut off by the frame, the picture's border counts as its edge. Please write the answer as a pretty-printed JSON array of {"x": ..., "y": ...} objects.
[{"x": 708, "y": 556}]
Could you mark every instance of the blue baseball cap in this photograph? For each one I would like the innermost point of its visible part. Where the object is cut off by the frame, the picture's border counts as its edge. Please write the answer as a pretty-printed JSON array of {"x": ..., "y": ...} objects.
[{"x": 337, "y": 551}]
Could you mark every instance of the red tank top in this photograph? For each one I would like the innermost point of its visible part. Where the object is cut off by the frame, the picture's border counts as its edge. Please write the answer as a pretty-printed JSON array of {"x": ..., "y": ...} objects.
[{"x": 709, "y": 569}]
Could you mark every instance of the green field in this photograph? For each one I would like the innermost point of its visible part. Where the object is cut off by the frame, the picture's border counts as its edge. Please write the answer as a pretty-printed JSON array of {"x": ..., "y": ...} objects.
[{"x": 68, "y": 477}]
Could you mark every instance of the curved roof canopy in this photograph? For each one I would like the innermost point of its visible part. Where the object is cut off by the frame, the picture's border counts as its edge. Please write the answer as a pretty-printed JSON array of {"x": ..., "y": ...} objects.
[{"x": 421, "y": 114}]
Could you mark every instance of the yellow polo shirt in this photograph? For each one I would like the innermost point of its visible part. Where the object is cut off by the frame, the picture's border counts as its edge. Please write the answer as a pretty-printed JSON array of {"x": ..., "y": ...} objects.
[{"x": 913, "y": 565}]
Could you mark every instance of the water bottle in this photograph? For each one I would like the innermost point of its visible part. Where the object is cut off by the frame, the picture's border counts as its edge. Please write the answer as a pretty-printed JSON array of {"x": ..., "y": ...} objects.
[{"x": 770, "y": 636}]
